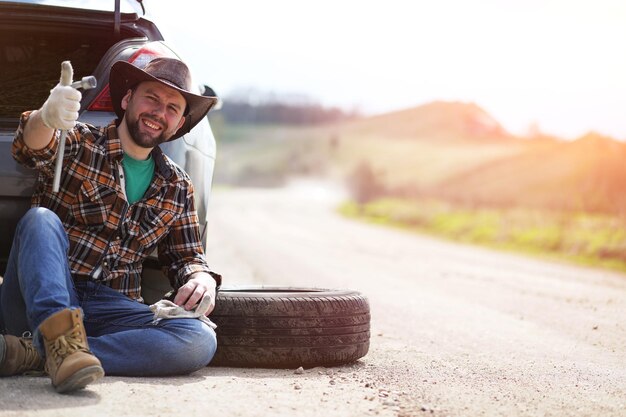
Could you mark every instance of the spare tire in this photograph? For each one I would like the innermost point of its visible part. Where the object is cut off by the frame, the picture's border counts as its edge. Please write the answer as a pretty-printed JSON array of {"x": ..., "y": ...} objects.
[{"x": 283, "y": 327}]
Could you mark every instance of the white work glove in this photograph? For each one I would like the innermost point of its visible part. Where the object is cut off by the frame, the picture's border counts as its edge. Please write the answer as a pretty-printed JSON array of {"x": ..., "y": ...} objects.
[{"x": 60, "y": 111}]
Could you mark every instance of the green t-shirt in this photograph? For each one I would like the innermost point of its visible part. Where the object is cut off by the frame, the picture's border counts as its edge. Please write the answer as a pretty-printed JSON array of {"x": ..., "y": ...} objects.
[{"x": 138, "y": 176}]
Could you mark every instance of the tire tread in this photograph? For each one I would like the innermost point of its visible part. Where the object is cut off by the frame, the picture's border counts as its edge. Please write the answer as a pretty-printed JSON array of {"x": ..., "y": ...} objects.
[{"x": 274, "y": 330}]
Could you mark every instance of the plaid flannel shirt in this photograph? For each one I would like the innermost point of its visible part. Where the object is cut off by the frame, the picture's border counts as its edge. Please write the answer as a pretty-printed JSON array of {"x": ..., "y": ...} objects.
[{"x": 110, "y": 238}]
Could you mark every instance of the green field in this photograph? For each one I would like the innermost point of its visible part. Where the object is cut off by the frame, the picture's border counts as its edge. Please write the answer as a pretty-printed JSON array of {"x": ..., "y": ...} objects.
[{"x": 583, "y": 238}]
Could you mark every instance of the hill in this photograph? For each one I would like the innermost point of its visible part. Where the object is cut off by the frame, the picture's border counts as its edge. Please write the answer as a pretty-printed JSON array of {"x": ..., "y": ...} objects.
[
  {"x": 439, "y": 120},
  {"x": 458, "y": 152},
  {"x": 587, "y": 174},
  {"x": 419, "y": 147}
]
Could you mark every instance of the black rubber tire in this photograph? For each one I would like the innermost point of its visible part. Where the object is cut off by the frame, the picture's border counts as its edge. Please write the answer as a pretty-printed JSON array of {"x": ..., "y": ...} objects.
[{"x": 283, "y": 327}]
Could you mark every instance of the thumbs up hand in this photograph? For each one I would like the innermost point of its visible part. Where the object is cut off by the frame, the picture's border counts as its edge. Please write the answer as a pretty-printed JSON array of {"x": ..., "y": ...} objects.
[{"x": 60, "y": 111}]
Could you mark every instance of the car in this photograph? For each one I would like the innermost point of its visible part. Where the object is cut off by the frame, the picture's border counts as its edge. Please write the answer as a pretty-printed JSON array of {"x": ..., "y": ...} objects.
[{"x": 34, "y": 39}]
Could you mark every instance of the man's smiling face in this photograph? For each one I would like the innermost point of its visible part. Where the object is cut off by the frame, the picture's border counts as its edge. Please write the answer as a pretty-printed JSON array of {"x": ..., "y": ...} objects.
[{"x": 153, "y": 113}]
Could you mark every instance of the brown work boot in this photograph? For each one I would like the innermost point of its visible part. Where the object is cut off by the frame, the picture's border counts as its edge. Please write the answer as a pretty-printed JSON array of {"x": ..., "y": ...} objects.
[
  {"x": 69, "y": 362},
  {"x": 18, "y": 355}
]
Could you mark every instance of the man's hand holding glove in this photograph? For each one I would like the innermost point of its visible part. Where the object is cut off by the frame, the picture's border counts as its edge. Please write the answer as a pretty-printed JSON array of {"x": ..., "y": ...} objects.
[
  {"x": 199, "y": 288},
  {"x": 60, "y": 111},
  {"x": 195, "y": 299}
]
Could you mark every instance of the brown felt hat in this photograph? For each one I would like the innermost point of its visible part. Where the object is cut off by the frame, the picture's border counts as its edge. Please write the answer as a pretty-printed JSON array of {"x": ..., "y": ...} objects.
[{"x": 167, "y": 71}]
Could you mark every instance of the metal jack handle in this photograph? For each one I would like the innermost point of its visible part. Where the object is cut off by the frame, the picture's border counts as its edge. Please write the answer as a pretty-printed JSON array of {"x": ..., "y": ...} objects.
[{"x": 88, "y": 82}]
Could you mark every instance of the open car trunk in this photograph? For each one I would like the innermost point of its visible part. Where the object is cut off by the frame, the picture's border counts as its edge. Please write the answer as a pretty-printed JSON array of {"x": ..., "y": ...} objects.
[
  {"x": 36, "y": 56},
  {"x": 33, "y": 44}
]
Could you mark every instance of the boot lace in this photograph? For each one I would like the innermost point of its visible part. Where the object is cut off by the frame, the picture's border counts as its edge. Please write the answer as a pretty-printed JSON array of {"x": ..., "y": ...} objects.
[
  {"x": 33, "y": 362},
  {"x": 67, "y": 344}
]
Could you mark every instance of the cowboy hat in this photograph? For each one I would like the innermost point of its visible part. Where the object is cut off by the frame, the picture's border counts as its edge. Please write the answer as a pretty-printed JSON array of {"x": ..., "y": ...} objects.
[{"x": 167, "y": 71}]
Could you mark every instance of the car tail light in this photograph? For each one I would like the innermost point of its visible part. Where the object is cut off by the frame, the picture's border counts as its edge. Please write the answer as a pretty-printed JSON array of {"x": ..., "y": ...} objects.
[
  {"x": 140, "y": 59},
  {"x": 103, "y": 101}
]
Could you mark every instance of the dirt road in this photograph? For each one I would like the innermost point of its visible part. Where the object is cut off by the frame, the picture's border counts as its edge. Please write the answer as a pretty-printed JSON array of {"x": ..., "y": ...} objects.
[{"x": 456, "y": 330}]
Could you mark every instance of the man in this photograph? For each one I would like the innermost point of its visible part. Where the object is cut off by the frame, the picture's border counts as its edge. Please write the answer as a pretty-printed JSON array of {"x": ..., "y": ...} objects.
[{"x": 73, "y": 277}]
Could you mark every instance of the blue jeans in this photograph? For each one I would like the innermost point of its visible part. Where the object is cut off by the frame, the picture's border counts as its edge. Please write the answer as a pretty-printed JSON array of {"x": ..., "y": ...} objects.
[{"x": 121, "y": 332}]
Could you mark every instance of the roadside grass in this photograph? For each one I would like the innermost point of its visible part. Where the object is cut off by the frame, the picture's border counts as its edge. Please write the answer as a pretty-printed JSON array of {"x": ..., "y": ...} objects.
[{"x": 582, "y": 238}]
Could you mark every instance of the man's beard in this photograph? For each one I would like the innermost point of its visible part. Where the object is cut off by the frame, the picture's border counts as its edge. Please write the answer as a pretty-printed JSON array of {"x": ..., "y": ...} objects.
[{"x": 143, "y": 139}]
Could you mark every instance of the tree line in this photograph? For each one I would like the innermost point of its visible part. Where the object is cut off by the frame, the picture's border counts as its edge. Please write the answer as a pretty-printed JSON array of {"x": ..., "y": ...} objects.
[{"x": 237, "y": 111}]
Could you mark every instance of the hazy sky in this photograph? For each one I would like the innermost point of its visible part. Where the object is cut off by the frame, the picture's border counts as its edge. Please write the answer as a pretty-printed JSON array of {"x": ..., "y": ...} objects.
[{"x": 559, "y": 63}]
